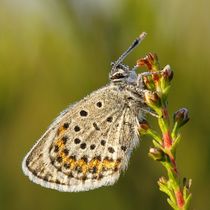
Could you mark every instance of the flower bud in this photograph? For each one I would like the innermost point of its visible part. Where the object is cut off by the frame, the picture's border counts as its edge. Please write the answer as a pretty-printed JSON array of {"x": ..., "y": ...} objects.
[
  {"x": 156, "y": 154},
  {"x": 162, "y": 180},
  {"x": 181, "y": 117},
  {"x": 167, "y": 73},
  {"x": 143, "y": 127},
  {"x": 156, "y": 76},
  {"x": 149, "y": 82},
  {"x": 152, "y": 99},
  {"x": 150, "y": 61}
]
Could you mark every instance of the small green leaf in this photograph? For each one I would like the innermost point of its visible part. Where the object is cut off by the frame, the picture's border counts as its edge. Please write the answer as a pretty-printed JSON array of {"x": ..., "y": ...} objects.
[
  {"x": 175, "y": 143},
  {"x": 173, "y": 205},
  {"x": 156, "y": 144},
  {"x": 187, "y": 201},
  {"x": 154, "y": 135}
]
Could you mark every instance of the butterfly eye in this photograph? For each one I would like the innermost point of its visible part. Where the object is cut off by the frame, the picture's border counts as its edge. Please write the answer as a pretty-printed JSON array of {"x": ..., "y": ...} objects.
[{"x": 118, "y": 75}]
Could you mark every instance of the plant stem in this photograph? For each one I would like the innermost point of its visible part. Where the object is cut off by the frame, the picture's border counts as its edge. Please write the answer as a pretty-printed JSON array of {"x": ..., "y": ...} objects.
[{"x": 158, "y": 85}]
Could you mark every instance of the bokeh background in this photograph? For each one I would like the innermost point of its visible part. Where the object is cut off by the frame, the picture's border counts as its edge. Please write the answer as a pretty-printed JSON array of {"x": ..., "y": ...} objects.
[{"x": 53, "y": 53}]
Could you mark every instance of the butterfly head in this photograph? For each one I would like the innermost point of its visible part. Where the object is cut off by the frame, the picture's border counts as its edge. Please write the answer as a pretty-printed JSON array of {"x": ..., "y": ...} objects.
[{"x": 121, "y": 73}]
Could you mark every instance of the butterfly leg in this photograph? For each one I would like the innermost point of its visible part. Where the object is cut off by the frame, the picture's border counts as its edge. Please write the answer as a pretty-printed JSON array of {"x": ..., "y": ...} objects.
[
  {"x": 140, "y": 79},
  {"x": 148, "y": 110}
]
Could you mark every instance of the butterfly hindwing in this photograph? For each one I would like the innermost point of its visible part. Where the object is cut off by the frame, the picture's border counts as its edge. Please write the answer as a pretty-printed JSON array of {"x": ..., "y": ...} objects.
[{"x": 87, "y": 146}]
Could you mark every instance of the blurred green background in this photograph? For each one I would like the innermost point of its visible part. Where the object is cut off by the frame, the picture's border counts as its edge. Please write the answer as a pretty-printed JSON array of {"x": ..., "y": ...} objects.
[{"x": 53, "y": 53}]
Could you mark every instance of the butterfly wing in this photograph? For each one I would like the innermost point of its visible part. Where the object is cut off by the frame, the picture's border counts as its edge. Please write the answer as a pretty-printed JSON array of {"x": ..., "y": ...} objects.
[{"x": 87, "y": 146}]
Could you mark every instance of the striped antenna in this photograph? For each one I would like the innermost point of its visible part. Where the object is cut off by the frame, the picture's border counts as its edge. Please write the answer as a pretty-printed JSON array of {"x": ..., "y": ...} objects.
[{"x": 135, "y": 43}]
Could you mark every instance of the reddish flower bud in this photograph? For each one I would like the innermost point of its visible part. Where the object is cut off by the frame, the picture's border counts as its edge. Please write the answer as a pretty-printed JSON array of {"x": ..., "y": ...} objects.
[
  {"x": 150, "y": 61},
  {"x": 181, "y": 117},
  {"x": 156, "y": 76},
  {"x": 149, "y": 82},
  {"x": 167, "y": 73},
  {"x": 152, "y": 99},
  {"x": 144, "y": 127}
]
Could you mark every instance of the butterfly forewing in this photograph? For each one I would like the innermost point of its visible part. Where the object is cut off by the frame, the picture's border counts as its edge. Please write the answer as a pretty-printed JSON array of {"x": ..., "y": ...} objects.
[{"x": 87, "y": 146}]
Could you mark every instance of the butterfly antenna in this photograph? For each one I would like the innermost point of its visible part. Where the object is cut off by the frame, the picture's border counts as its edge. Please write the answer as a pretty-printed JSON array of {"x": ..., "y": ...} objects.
[{"x": 135, "y": 43}]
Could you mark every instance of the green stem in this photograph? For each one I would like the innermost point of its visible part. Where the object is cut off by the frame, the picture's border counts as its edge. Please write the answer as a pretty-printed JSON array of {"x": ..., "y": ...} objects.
[
  {"x": 171, "y": 168},
  {"x": 167, "y": 141},
  {"x": 158, "y": 84}
]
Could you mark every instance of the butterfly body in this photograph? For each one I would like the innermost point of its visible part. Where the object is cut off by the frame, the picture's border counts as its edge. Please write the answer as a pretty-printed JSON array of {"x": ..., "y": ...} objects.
[{"x": 90, "y": 143}]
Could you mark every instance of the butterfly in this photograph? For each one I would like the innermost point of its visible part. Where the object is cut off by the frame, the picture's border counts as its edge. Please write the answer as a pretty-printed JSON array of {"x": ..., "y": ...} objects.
[{"x": 89, "y": 144}]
